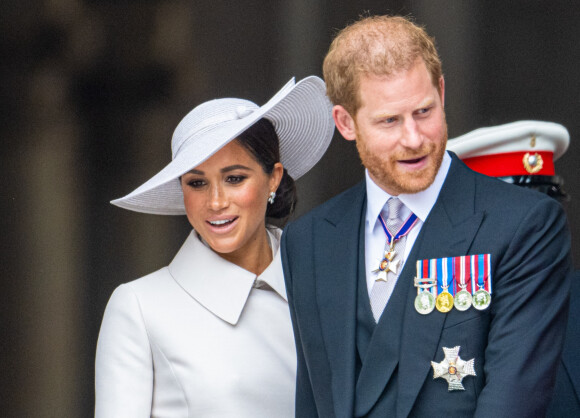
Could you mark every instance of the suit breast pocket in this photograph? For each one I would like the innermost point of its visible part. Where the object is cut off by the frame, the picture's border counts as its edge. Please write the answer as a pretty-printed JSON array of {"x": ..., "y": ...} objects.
[{"x": 468, "y": 331}]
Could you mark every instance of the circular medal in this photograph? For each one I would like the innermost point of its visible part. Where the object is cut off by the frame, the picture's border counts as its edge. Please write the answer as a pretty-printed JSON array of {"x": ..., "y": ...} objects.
[
  {"x": 425, "y": 302},
  {"x": 444, "y": 302},
  {"x": 481, "y": 299},
  {"x": 383, "y": 264},
  {"x": 452, "y": 370},
  {"x": 462, "y": 300}
]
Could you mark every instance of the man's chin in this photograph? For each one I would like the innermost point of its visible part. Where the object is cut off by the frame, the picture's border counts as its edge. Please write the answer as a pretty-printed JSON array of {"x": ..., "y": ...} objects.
[
  {"x": 416, "y": 182},
  {"x": 413, "y": 184},
  {"x": 416, "y": 187}
]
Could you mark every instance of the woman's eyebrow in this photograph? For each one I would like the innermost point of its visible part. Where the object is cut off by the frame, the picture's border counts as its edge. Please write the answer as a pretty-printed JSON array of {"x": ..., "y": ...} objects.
[
  {"x": 195, "y": 171},
  {"x": 235, "y": 167},
  {"x": 223, "y": 170}
]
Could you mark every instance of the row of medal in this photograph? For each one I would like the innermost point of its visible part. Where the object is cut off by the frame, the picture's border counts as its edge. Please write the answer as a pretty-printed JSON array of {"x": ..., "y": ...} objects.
[{"x": 460, "y": 282}]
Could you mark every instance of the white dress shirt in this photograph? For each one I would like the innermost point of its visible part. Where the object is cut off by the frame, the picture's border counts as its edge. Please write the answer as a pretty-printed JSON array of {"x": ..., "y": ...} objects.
[
  {"x": 418, "y": 203},
  {"x": 197, "y": 339}
]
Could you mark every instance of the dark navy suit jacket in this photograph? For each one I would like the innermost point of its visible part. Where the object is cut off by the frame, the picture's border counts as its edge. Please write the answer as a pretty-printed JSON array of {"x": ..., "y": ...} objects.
[
  {"x": 566, "y": 401},
  {"x": 516, "y": 342}
]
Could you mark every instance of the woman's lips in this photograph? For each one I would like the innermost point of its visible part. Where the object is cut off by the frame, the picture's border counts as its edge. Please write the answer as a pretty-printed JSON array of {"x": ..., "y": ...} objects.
[
  {"x": 222, "y": 225},
  {"x": 220, "y": 222}
]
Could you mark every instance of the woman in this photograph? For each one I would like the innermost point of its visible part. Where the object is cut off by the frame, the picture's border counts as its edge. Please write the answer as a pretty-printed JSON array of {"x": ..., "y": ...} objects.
[{"x": 210, "y": 334}]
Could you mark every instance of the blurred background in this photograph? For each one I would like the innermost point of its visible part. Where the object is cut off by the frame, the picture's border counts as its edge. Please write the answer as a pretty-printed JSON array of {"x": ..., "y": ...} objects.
[{"x": 90, "y": 92}]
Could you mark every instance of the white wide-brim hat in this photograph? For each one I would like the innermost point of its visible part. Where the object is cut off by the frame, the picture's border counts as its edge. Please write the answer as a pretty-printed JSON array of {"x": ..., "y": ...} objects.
[{"x": 302, "y": 117}]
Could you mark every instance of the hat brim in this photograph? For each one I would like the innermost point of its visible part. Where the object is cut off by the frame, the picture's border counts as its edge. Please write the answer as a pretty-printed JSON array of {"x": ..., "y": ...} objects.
[{"x": 302, "y": 117}]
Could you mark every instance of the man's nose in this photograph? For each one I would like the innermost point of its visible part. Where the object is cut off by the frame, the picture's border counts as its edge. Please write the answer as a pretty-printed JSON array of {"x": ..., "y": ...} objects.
[{"x": 412, "y": 137}]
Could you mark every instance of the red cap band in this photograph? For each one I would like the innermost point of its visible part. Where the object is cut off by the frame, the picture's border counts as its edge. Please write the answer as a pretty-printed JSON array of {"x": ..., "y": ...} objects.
[{"x": 513, "y": 164}]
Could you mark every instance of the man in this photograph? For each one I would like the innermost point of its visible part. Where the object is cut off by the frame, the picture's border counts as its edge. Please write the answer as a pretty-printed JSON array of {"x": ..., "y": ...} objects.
[{"x": 364, "y": 347}]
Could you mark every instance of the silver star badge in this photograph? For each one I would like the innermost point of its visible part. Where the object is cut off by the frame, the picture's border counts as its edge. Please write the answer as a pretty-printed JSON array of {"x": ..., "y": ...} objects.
[{"x": 453, "y": 368}]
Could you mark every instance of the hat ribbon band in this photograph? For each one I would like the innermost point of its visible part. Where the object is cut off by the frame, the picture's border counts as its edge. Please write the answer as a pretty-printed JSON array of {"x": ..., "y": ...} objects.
[{"x": 511, "y": 163}]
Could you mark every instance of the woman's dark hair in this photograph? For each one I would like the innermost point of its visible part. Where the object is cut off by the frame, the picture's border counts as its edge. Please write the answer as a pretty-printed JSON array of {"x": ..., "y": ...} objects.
[{"x": 262, "y": 142}]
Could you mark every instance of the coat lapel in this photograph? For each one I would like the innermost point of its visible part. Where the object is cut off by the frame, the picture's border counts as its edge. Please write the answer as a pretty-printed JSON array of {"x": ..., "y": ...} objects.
[
  {"x": 337, "y": 254},
  {"x": 448, "y": 231}
]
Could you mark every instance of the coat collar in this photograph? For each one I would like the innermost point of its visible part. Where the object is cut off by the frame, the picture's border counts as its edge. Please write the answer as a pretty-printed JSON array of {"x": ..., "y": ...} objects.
[{"x": 218, "y": 285}]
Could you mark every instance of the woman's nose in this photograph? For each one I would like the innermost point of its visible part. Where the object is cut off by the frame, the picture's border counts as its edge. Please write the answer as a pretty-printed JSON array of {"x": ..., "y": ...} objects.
[{"x": 217, "y": 198}]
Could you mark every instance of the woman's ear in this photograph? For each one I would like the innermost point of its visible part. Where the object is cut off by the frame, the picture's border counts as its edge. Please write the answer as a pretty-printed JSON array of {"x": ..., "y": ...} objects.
[
  {"x": 276, "y": 176},
  {"x": 344, "y": 122}
]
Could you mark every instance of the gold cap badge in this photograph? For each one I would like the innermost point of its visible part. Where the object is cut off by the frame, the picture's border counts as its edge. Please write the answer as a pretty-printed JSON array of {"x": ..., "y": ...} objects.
[{"x": 533, "y": 163}]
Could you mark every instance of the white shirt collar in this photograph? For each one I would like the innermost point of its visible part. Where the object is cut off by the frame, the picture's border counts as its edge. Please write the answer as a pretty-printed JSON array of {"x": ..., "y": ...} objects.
[
  {"x": 419, "y": 203},
  {"x": 220, "y": 286}
]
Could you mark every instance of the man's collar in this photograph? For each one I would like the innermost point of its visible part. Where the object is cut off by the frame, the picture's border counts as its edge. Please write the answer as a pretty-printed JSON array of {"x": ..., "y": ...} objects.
[{"x": 419, "y": 203}]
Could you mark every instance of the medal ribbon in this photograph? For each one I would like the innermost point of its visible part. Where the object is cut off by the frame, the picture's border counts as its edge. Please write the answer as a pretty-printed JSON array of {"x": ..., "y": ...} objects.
[
  {"x": 444, "y": 273},
  {"x": 487, "y": 267},
  {"x": 403, "y": 230},
  {"x": 433, "y": 275},
  {"x": 426, "y": 269},
  {"x": 481, "y": 271},
  {"x": 473, "y": 272},
  {"x": 461, "y": 267}
]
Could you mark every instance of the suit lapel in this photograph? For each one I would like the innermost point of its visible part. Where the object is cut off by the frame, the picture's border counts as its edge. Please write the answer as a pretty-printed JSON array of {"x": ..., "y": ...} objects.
[
  {"x": 337, "y": 254},
  {"x": 448, "y": 231}
]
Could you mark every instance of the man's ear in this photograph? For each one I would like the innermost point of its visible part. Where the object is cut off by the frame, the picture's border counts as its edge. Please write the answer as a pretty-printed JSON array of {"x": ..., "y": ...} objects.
[{"x": 344, "y": 122}]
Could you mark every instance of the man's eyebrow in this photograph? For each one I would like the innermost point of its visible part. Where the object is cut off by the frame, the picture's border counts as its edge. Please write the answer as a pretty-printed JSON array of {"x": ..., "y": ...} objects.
[
  {"x": 384, "y": 116},
  {"x": 425, "y": 103}
]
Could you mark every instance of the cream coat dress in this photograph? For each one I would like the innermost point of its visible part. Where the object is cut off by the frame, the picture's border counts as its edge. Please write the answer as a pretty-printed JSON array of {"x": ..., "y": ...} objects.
[{"x": 197, "y": 339}]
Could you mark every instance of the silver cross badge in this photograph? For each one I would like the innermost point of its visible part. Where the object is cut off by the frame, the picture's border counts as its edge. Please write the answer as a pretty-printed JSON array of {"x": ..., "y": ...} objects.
[{"x": 453, "y": 368}]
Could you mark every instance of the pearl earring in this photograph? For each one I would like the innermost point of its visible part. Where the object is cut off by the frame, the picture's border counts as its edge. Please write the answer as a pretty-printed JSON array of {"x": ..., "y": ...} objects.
[{"x": 271, "y": 197}]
